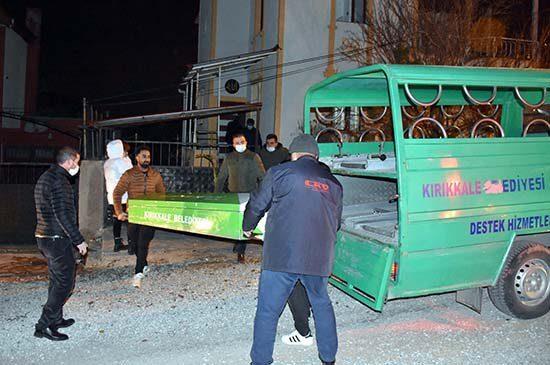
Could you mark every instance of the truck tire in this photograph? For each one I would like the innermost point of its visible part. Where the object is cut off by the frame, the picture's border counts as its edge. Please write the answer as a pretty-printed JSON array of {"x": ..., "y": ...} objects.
[{"x": 523, "y": 288}]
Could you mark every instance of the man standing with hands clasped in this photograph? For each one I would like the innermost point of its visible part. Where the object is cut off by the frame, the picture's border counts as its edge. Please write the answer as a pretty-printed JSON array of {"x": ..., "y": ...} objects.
[
  {"x": 304, "y": 201},
  {"x": 58, "y": 236}
]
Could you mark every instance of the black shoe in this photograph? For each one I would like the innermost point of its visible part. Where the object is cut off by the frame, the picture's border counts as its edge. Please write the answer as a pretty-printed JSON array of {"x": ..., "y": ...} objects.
[
  {"x": 119, "y": 245},
  {"x": 240, "y": 258},
  {"x": 50, "y": 334},
  {"x": 121, "y": 248},
  {"x": 65, "y": 323}
]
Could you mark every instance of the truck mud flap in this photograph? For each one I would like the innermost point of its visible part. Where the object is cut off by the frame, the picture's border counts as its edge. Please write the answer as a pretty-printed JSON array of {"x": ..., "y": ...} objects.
[{"x": 471, "y": 298}]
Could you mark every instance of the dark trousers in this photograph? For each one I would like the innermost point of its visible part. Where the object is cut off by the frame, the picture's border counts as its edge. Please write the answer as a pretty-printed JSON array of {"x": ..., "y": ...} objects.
[
  {"x": 117, "y": 225},
  {"x": 61, "y": 269},
  {"x": 273, "y": 293},
  {"x": 298, "y": 303},
  {"x": 140, "y": 237},
  {"x": 239, "y": 247}
]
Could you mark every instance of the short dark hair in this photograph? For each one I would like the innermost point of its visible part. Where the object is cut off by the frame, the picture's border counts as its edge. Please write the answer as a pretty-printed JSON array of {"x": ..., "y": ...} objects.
[
  {"x": 65, "y": 154},
  {"x": 142, "y": 148},
  {"x": 237, "y": 135},
  {"x": 272, "y": 136},
  {"x": 250, "y": 121}
]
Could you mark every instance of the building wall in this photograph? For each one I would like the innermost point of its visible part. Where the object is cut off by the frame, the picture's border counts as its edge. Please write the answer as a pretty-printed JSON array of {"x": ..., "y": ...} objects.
[
  {"x": 14, "y": 76},
  {"x": 233, "y": 19},
  {"x": 268, "y": 88},
  {"x": 205, "y": 35},
  {"x": 2, "y": 53},
  {"x": 343, "y": 30},
  {"x": 306, "y": 36},
  {"x": 306, "y": 31}
]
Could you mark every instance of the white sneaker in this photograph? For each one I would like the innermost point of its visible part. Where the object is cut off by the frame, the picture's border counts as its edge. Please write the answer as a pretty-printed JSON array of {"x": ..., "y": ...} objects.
[
  {"x": 146, "y": 269},
  {"x": 296, "y": 339},
  {"x": 137, "y": 280}
]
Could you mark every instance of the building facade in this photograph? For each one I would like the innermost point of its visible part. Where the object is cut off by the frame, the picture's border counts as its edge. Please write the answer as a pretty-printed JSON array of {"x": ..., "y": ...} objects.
[
  {"x": 309, "y": 34},
  {"x": 24, "y": 136}
]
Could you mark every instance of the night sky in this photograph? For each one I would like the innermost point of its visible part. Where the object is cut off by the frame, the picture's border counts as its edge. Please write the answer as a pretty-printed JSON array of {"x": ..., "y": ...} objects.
[{"x": 99, "y": 48}]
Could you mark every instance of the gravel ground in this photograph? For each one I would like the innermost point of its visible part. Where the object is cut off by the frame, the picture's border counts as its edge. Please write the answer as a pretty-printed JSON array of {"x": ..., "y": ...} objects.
[{"x": 198, "y": 307}]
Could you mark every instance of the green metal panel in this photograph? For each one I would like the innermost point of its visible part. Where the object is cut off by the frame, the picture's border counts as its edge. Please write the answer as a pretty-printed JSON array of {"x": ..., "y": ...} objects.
[
  {"x": 218, "y": 215},
  {"x": 447, "y": 269},
  {"x": 466, "y": 199},
  {"x": 362, "y": 269}
]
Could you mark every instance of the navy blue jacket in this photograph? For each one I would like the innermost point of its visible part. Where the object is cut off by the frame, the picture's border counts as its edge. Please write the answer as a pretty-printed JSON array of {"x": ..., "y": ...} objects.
[{"x": 304, "y": 201}]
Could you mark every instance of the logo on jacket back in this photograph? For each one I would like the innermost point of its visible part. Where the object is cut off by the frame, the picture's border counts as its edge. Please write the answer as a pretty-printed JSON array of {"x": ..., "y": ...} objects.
[{"x": 316, "y": 186}]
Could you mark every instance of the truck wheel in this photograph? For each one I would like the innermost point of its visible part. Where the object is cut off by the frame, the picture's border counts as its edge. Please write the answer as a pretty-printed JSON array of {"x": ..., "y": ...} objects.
[{"x": 523, "y": 288}]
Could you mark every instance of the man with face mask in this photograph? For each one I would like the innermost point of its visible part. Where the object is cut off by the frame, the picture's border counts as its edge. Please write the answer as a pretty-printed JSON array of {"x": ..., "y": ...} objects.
[
  {"x": 57, "y": 236},
  {"x": 242, "y": 169},
  {"x": 138, "y": 181},
  {"x": 252, "y": 135},
  {"x": 273, "y": 153}
]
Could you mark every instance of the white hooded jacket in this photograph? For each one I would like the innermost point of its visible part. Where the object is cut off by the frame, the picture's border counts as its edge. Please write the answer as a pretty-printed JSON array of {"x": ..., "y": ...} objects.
[{"x": 114, "y": 167}]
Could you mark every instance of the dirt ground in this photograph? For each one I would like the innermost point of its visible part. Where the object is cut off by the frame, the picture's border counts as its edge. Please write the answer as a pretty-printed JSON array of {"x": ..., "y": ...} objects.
[{"x": 197, "y": 307}]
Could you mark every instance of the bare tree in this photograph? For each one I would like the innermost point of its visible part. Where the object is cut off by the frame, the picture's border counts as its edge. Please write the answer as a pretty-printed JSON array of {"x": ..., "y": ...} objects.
[{"x": 434, "y": 32}]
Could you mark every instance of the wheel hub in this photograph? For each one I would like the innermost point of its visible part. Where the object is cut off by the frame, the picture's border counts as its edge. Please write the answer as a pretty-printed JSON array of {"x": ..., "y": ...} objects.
[{"x": 532, "y": 282}]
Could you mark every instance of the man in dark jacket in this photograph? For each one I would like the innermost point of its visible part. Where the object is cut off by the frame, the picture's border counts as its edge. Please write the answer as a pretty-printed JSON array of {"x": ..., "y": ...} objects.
[
  {"x": 58, "y": 236},
  {"x": 233, "y": 127},
  {"x": 242, "y": 169},
  {"x": 305, "y": 208},
  {"x": 273, "y": 153},
  {"x": 252, "y": 135}
]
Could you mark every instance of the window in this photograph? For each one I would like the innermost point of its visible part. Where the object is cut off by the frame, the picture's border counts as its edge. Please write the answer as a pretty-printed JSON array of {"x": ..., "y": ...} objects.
[{"x": 351, "y": 11}]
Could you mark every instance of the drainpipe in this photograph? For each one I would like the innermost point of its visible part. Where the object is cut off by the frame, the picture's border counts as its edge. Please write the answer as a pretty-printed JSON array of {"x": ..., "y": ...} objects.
[{"x": 535, "y": 27}]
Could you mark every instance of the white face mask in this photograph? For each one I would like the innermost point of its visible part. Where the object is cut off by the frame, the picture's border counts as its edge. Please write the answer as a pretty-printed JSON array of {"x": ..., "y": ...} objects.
[
  {"x": 74, "y": 170},
  {"x": 240, "y": 148},
  {"x": 250, "y": 127},
  {"x": 270, "y": 149}
]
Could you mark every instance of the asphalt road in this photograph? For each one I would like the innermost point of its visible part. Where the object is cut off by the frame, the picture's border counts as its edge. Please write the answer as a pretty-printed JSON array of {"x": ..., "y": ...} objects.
[{"x": 199, "y": 309}]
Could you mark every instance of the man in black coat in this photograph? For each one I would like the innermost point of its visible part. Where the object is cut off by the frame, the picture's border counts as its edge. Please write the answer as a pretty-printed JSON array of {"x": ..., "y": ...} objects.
[
  {"x": 304, "y": 201},
  {"x": 234, "y": 127},
  {"x": 58, "y": 237},
  {"x": 252, "y": 135}
]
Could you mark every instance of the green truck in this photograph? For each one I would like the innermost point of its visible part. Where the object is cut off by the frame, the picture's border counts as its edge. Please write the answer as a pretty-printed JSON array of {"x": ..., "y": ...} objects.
[{"x": 446, "y": 176}]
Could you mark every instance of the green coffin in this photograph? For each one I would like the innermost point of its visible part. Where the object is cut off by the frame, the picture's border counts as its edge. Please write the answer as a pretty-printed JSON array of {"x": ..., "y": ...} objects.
[{"x": 219, "y": 215}]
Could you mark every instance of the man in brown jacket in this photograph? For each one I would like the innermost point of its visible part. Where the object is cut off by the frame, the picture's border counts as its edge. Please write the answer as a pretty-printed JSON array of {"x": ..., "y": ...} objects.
[
  {"x": 140, "y": 180},
  {"x": 242, "y": 169}
]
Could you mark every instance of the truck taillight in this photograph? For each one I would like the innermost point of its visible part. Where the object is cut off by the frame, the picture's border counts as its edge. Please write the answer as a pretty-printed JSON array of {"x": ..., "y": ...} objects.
[{"x": 394, "y": 270}]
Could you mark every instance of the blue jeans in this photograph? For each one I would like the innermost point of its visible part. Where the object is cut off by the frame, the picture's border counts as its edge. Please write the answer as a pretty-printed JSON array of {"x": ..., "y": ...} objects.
[{"x": 273, "y": 292}]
